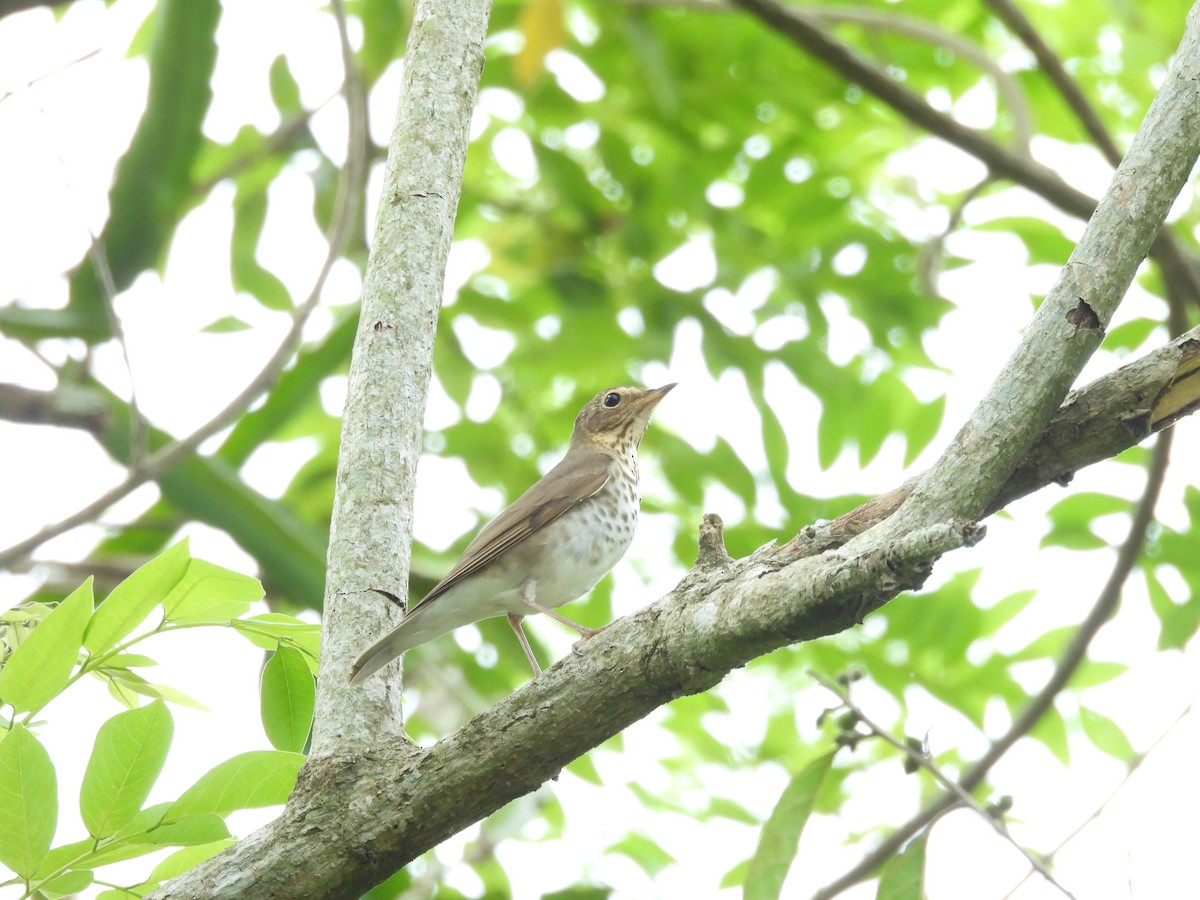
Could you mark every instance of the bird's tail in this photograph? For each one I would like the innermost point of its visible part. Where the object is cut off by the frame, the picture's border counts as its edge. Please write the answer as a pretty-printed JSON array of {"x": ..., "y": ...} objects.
[{"x": 414, "y": 629}]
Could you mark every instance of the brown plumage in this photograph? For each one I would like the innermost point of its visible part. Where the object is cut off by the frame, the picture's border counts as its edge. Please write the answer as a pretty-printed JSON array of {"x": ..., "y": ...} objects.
[{"x": 551, "y": 545}]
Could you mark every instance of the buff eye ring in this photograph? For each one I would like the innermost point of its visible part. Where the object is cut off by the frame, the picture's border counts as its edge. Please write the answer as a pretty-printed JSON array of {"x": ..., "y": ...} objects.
[{"x": 612, "y": 399}]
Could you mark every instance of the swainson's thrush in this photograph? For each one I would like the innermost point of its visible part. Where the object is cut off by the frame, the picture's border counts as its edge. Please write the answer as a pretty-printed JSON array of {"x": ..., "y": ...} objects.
[{"x": 551, "y": 545}]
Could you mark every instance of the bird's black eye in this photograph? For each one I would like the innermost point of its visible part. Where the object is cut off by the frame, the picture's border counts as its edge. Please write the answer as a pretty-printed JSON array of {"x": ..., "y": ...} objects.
[{"x": 611, "y": 399}]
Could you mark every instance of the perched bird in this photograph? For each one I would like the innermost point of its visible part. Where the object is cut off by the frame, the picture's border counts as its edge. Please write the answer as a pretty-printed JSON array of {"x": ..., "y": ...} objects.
[{"x": 551, "y": 545}]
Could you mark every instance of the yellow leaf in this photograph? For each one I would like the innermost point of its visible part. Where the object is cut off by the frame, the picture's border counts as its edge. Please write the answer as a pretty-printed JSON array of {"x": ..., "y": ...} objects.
[{"x": 541, "y": 23}]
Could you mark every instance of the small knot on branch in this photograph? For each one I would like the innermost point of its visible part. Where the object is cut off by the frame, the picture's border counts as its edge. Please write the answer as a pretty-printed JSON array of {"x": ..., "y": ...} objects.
[{"x": 711, "y": 552}]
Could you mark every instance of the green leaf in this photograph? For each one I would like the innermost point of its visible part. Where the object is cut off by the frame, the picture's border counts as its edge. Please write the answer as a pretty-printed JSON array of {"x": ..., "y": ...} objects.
[
  {"x": 287, "y": 696},
  {"x": 130, "y": 661},
  {"x": 1072, "y": 519},
  {"x": 1106, "y": 735},
  {"x": 186, "y": 858},
  {"x": 284, "y": 90},
  {"x": 226, "y": 325},
  {"x": 584, "y": 767},
  {"x": 644, "y": 851},
  {"x": 1091, "y": 673},
  {"x": 267, "y": 630},
  {"x": 1051, "y": 730},
  {"x": 735, "y": 876},
  {"x": 1001, "y": 613},
  {"x": 28, "y": 801},
  {"x": 40, "y": 667},
  {"x": 1131, "y": 335},
  {"x": 210, "y": 594},
  {"x": 247, "y": 781},
  {"x": 69, "y": 883},
  {"x": 903, "y": 878},
  {"x": 126, "y": 686},
  {"x": 126, "y": 760},
  {"x": 133, "y": 599},
  {"x": 1178, "y": 621},
  {"x": 193, "y": 830},
  {"x": 780, "y": 835}
]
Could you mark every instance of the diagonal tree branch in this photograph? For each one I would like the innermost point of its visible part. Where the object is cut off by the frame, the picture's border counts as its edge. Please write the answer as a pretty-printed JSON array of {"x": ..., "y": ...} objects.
[
  {"x": 1068, "y": 664},
  {"x": 1070, "y": 323}
]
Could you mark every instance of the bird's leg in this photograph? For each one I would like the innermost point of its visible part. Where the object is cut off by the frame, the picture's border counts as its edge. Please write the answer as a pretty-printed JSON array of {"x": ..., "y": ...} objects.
[
  {"x": 515, "y": 621},
  {"x": 526, "y": 595}
]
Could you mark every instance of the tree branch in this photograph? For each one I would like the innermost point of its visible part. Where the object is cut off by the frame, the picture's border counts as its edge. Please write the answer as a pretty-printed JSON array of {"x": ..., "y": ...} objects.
[
  {"x": 1073, "y": 656},
  {"x": 1070, "y": 323},
  {"x": 371, "y": 531},
  {"x": 65, "y": 407},
  {"x": 797, "y": 24},
  {"x": 156, "y": 464}
]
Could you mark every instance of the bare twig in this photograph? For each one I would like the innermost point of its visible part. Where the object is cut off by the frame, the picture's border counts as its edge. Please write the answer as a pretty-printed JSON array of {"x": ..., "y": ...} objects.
[
  {"x": 1010, "y": 14},
  {"x": 138, "y": 428},
  {"x": 61, "y": 407},
  {"x": 923, "y": 760},
  {"x": 804, "y": 29},
  {"x": 1181, "y": 272},
  {"x": 1099, "y": 811},
  {"x": 909, "y": 26},
  {"x": 345, "y": 210},
  {"x": 1067, "y": 665},
  {"x": 929, "y": 258}
]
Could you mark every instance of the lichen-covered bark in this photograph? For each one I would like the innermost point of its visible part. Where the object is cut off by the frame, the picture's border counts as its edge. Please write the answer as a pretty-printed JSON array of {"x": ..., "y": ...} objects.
[{"x": 371, "y": 536}]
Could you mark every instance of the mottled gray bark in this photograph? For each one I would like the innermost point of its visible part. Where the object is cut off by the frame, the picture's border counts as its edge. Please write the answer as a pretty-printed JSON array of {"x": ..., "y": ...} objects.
[{"x": 371, "y": 537}]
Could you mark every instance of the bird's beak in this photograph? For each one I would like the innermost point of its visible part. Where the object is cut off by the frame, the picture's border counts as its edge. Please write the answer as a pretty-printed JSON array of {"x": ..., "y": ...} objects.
[{"x": 652, "y": 398}]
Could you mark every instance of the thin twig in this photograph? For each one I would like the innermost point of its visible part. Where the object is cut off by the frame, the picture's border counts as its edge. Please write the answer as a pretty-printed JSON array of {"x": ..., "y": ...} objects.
[
  {"x": 875, "y": 20},
  {"x": 1067, "y": 665},
  {"x": 953, "y": 789},
  {"x": 1099, "y": 811},
  {"x": 345, "y": 210},
  {"x": 929, "y": 256},
  {"x": 138, "y": 428},
  {"x": 1010, "y": 14},
  {"x": 1180, "y": 271}
]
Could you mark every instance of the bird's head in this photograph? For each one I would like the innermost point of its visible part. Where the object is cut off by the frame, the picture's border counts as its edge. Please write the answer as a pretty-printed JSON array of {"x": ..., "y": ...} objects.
[{"x": 617, "y": 417}]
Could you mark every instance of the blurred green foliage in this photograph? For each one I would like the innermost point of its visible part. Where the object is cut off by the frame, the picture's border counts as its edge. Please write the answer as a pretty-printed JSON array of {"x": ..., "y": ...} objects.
[{"x": 648, "y": 127}]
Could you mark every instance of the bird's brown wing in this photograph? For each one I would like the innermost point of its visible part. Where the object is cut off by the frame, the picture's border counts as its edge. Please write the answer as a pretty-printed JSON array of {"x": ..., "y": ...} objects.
[{"x": 556, "y": 492}]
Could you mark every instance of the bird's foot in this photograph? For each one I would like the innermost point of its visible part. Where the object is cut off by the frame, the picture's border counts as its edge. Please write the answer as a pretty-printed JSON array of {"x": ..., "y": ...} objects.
[{"x": 585, "y": 635}]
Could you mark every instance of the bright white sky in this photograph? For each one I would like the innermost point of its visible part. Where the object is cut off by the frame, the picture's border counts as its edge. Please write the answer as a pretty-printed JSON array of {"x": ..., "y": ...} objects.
[{"x": 61, "y": 138}]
